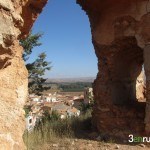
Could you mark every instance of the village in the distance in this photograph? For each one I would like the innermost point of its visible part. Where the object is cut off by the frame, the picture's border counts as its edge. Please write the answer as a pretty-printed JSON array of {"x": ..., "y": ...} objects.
[{"x": 65, "y": 104}]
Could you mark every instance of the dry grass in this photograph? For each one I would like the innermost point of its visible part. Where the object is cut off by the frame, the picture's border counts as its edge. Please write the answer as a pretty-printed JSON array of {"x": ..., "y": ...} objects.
[{"x": 51, "y": 130}]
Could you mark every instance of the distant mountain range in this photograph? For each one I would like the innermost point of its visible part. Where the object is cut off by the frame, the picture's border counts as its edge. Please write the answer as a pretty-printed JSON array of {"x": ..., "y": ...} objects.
[{"x": 71, "y": 80}]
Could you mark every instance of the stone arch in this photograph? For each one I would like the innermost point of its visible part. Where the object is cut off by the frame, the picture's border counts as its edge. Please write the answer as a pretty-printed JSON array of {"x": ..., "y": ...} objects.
[
  {"x": 17, "y": 18},
  {"x": 122, "y": 68}
]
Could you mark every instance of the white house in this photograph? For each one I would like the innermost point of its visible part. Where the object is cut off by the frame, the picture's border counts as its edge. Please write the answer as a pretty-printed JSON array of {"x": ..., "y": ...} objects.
[
  {"x": 50, "y": 99},
  {"x": 62, "y": 116},
  {"x": 30, "y": 122},
  {"x": 73, "y": 112},
  {"x": 36, "y": 98},
  {"x": 53, "y": 99},
  {"x": 88, "y": 95}
]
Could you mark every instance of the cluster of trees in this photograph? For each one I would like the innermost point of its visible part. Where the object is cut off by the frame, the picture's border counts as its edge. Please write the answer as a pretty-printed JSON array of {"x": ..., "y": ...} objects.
[
  {"x": 78, "y": 86},
  {"x": 38, "y": 67}
]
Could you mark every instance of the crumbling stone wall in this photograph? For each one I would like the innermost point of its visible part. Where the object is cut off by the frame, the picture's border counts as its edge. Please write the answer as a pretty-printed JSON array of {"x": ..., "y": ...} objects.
[
  {"x": 16, "y": 19},
  {"x": 121, "y": 35}
]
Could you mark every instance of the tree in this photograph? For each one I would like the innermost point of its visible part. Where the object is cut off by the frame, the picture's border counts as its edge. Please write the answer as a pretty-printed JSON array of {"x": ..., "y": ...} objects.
[
  {"x": 30, "y": 42},
  {"x": 37, "y": 68}
]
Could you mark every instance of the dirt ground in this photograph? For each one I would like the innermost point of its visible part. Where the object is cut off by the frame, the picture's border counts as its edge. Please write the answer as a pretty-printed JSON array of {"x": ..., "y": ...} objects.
[{"x": 80, "y": 144}]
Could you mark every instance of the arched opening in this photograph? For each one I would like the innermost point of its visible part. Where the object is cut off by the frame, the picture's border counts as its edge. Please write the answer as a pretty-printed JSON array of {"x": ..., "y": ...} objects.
[
  {"x": 68, "y": 45},
  {"x": 119, "y": 67},
  {"x": 141, "y": 86},
  {"x": 115, "y": 87},
  {"x": 66, "y": 40},
  {"x": 126, "y": 68}
]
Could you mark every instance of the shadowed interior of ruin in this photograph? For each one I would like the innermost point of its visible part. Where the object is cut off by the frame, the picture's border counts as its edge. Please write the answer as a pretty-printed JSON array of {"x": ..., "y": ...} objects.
[
  {"x": 121, "y": 67},
  {"x": 120, "y": 64}
]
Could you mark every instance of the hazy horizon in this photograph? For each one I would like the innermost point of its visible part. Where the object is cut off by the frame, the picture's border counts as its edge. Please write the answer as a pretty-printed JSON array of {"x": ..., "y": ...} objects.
[
  {"x": 71, "y": 80},
  {"x": 71, "y": 77}
]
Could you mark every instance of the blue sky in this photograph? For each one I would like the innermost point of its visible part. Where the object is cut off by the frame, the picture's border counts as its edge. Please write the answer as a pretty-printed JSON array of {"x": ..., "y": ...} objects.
[{"x": 66, "y": 40}]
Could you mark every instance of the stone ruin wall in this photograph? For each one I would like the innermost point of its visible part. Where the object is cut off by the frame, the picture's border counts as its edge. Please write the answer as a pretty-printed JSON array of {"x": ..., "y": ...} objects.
[
  {"x": 16, "y": 19},
  {"x": 121, "y": 38},
  {"x": 120, "y": 35}
]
